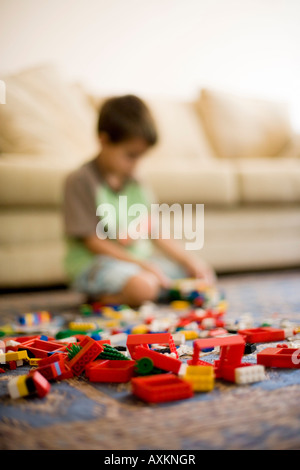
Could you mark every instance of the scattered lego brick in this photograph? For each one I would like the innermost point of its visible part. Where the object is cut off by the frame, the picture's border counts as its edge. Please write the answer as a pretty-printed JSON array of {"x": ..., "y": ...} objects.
[
  {"x": 89, "y": 350},
  {"x": 161, "y": 388},
  {"x": 114, "y": 371},
  {"x": 145, "y": 349},
  {"x": 31, "y": 384},
  {"x": 161, "y": 361},
  {"x": 201, "y": 378},
  {"x": 287, "y": 358}
]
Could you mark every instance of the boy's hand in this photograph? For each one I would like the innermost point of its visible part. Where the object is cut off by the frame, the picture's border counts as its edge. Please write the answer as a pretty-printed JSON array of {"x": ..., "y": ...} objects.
[
  {"x": 200, "y": 269},
  {"x": 163, "y": 279}
]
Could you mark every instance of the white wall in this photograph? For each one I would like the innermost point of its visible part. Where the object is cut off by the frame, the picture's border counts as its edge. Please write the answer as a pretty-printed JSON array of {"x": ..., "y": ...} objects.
[{"x": 160, "y": 47}]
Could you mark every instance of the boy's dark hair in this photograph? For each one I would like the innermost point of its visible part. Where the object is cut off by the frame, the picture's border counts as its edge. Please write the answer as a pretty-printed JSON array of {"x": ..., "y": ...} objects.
[{"x": 126, "y": 117}]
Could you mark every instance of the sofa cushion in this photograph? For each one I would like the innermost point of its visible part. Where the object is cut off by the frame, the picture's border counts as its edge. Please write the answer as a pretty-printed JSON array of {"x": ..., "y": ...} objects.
[
  {"x": 46, "y": 116},
  {"x": 38, "y": 225},
  {"x": 180, "y": 136},
  {"x": 269, "y": 180},
  {"x": 32, "y": 264},
  {"x": 40, "y": 183},
  {"x": 25, "y": 182},
  {"x": 240, "y": 127},
  {"x": 187, "y": 182}
]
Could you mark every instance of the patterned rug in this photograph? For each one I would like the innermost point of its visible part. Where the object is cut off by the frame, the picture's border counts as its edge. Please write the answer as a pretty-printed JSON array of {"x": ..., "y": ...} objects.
[{"x": 78, "y": 414}]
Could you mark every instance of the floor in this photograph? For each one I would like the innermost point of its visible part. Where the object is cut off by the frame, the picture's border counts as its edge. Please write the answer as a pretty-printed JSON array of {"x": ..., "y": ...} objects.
[{"x": 79, "y": 415}]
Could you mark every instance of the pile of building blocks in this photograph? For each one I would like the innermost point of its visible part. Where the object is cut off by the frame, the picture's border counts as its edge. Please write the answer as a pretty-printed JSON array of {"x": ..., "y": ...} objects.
[{"x": 163, "y": 354}]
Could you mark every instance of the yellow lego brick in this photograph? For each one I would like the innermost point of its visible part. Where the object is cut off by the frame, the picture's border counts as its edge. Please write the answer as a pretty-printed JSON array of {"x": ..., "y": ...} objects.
[
  {"x": 189, "y": 334},
  {"x": 21, "y": 386},
  {"x": 112, "y": 324},
  {"x": 16, "y": 356},
  {"x": 111, "y": 313},
  {"x": 81, "y": 326},
  {"x": 34, "y": 361},
  {"x": 180, "y": 304},
  {"x": 29, "y": 319},
  {"x": 140, "y": 329},
  {"x": 202, "y": 385},
  {"x": 201, "y": 378},
  {"x": 200, "y": 371},
  {"x": 222, "y": 306}
]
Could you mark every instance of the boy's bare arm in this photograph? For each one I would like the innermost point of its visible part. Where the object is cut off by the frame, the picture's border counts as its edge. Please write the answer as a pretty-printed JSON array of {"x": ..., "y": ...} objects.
[
  {"x": 107, "y": 247},
  {"x": 110, "y": 248},
  {"x": 173, "y": 250},
  {"x": 193, "y": 264}
]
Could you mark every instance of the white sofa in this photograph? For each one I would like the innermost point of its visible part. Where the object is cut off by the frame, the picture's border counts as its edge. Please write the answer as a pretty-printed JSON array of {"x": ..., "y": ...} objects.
[{"x": 236, "y": 155}]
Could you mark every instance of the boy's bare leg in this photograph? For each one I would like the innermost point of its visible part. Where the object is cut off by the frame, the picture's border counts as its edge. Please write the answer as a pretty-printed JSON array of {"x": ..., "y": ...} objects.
[{"x": 140, "y": 288}]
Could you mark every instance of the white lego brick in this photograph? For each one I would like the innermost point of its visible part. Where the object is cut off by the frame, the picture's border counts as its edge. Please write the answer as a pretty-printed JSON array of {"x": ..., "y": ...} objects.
[
  {"x": 172, "y": 354},
  {"x": 192, "y": 326},
  {"x": 182, "y": 370},
  {"x": 209, "y": 322},
  {"x": 288, "y": 332},
  {"x": 178, "y": 339},
  {"x": 200, "y": 312},
  {"x": 12, "y": 343},
  {"x": 117, "y": 339},
  {"x": 12, "y": 387},
  {"x": 249, "y": 374},
  {"x": 70, "y": 339}
]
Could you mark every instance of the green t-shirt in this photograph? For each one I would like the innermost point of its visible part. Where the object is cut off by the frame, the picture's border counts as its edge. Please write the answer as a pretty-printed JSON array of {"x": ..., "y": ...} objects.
[{"x": 117, "y": 216}]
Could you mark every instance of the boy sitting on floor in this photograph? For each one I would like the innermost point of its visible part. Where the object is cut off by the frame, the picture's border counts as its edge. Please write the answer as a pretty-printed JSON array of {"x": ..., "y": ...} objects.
[{"x": 109, "y": 269}]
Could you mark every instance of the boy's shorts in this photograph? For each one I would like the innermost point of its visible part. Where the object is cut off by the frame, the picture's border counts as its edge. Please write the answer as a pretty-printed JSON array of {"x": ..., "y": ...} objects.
[{"x": 108, "y": 275}]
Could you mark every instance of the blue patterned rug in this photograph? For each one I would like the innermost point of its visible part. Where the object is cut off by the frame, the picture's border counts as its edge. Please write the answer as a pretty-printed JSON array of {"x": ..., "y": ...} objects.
[{"x": 78, "y": 414}]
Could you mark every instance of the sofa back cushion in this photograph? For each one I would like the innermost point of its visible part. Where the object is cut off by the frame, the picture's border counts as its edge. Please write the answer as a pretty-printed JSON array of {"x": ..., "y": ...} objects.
[
  {"x": 46, "y": 117},
  {"x": 239, "y": 126},
  {"x": 181, "y": 139}
]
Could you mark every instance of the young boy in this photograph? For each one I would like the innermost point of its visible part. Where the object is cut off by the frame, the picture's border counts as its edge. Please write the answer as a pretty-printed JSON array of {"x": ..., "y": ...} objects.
[{"x": 117, "y": 269}]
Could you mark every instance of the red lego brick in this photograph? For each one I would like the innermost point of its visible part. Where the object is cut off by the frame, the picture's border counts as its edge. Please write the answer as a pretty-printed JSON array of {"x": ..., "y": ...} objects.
[
  {"x": 197, "y": 317},
  {"x": 90, "y": 350},
  {"x": 243, "y": 373},
  {"x": 144, "y": 340},
  {"x": 103, "y": 341},
  {"x": 52, "y": 358},
  {"x": 110, "y": 371},
  {"x": 57, "y": 356},
  {"x": 227, "y": 372},
  {"x": 288, "y": 358},
  {"x": 40, "y": 348},
  {"x": 265, "y": 334},
  {"x": 17, "y": 339},
  {"x": 199, "y": 362},
  {"x": 161, "y": 388},
  {"x": 41, "y": 384},
  {"x": 232, "y": 348},
  {"x": 55, "y": 369},
  {"x": 161, "y": 361},
  {"x": 231, "y": 353}
]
